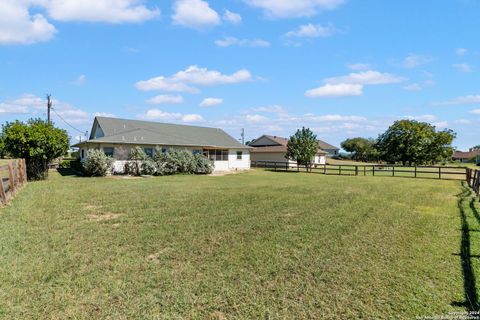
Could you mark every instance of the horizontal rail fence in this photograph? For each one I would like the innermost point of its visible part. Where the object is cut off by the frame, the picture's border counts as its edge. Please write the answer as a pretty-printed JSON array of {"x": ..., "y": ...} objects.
[
  {"x": 433, "y": 172},
  {"x": 473, "y": 179},
  {"x": 13, "y": 176}
]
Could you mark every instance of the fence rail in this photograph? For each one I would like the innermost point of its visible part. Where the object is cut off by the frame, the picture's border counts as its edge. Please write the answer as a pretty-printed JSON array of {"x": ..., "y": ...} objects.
[
  {"x": 435, "y": 172},
  {"x": 473, "y": 180},
  {"x": 13, "y": 176}
]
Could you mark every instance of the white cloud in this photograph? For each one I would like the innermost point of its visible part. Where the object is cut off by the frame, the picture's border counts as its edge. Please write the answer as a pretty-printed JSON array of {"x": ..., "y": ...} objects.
[
  {"x": 211, "y": 102},
  {"x": 157, "y": 114},
  {"x": 18, "y": 26},
  {"x": 81, "y": 80},
  {"x": 232, "y": 17},
  {"x": 165, "y": 99},
  {"x": 425, "y": 117},
  {"x": 475, "y": 111},
  {"x": 462, "y": 67},
  {"x": 312, "y": 31},
  {"x": 441, "y": 124},
  {"x": 413, "y": 87},
  {"x": 182, "y": 80},
  {"x": 255, "y": 118},
  {"x": 415, "y": 60},
  {"x": 464, "y": 100},
  {"x": 334, "y": 118},
  {"x": 297, "y": 8},
  {"x": 270, "y": 109},
  {"x": 232, "y": 41},
  {"x": 195, "y": 14},
  {"x": 461, "y": 52},
  {"x": 103, "y": 114},
  {"x": 335, "y": 90},
  {"x": 359, "y": 66},
  {"x": 366, "y": 78},
  {"x": 110, "y": 11},
  {"x": 463, "y": 121}
]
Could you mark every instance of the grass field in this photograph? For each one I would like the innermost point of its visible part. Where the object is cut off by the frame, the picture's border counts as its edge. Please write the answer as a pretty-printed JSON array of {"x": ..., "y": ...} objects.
[{"x": 257, "y": 245}]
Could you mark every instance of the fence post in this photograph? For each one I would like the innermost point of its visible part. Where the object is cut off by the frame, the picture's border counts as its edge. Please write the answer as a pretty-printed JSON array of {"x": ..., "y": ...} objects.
[
  {"x": 365, "y": 170},
  {"x": 356, "y": 170},
  {"x": 439, "y": 172},
  {"x": 393, "y": 171},
  {"x": 12, "y": 181},
  {"x": 3, "y": 195},
  {"x": 415, "y": 171},
  {"x": 325, "y": 168},
  {"x": 340, "y": 170},
  {"x": 373, "y": 170},
  {"x": 25, "y": 170}
]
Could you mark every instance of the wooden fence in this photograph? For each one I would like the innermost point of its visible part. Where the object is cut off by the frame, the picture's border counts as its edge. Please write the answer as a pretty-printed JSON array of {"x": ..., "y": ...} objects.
[
  {"x": 13, "y": 176},
  {"x": 433, "y": 172},
  {"x": 473, "y": 179}
]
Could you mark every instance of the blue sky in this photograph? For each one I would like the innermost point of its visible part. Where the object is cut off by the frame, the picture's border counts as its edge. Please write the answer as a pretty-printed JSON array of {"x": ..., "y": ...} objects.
[{"x": 344, "y": 68}]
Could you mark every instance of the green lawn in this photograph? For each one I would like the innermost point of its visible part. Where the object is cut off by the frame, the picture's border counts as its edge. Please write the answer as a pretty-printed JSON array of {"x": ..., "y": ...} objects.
[{"x": 257, "y": 245}]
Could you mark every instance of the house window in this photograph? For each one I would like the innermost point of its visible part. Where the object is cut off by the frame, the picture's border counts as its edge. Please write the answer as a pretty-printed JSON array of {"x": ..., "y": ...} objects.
[
  {"x": 149, "y": 152},
  {"x": 108, "y": 151},
  {"x": 216, "y": 155},
  {"x": 164, "y": 150},
  {"x": 239, "y": 155},
  {"x": 195, "y": 152},
  {"x": 83, "y": 153}
]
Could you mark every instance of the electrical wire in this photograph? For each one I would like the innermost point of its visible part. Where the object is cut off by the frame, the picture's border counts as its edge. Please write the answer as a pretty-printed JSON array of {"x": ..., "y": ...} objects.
[{"x": 71, "y": 126}]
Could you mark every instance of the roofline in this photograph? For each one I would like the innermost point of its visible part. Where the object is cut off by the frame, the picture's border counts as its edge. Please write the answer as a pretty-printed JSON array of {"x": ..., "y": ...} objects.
[{"x": 77, "y": 145}]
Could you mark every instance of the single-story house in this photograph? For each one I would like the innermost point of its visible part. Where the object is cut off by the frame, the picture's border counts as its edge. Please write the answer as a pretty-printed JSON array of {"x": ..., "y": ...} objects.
[
  {"x": 273, "y": 148},
  {"x": 467, "y": 156},
  {"x": 116, "y": 137}
]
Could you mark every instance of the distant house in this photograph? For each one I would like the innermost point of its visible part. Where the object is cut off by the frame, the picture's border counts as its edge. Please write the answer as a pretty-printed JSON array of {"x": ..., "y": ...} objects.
[
  {"x": 273, "y": 148},
  {"x": 467, "y": 156},
  {"x": 116, "y": 137}
]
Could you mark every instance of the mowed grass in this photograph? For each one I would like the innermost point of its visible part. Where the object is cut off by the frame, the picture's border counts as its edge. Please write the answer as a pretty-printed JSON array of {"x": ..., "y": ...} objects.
[{"x": 256, "y": 245}]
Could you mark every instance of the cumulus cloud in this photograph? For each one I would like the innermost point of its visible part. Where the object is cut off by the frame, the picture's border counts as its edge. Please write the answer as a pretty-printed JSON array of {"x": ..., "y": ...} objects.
[
  {"x": 110, "y": 11},
  {"x": 359, "y": 66},
  {"x": 211, "y": 102},
  {"x": 255, "y": 118},
  {"x": 270, "y": 109},
  {"x": 366, "y": 78},
  {"x": 81, "y": 80},
  {"x": 312, "y": 31},
  {"x": 463, "y": 67},
  {"x": 463, "y": 100},
  {"x": 157, "y": 114},
  {"x": 425, "y": 117},
  {"x": 461, "y": 52},
  {"x": 335, "y": 90},
  {"x": 415, "y": 60},
  {"x": 232, "y": 41},
  {"x": 18, "y": 26},
  {"x": 292, "y": 9},
  {"x": 475, "y": 111},
  {"x": 334, "y": 118},
  {"x": 232, "y": 17},
  {"x": 165, "y": 99},
  {"x": 195, "y": 14},
  {"x": 164, "y": 84}
]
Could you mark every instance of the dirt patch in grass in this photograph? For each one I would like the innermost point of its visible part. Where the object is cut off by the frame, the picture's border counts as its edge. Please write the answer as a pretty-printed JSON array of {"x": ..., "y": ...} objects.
[
  {"x": 104, "y": 217},
  {"x": 92, "y": 207}
]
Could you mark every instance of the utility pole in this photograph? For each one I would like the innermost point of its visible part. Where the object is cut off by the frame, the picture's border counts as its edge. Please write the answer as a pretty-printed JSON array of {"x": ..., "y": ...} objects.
[
  {"x": 243, "y": 135},
  {"x": 49, "y": 106}
]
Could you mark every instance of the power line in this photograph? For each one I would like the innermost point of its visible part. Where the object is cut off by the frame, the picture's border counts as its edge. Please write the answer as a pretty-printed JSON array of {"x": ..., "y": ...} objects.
[{"x": 71, "y": 126}]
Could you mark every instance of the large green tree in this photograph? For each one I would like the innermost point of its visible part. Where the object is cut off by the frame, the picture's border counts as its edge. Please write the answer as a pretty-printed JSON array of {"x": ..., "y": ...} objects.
[
  {"x": 302, "y": 147},
  {"x": 362, "y": 149},
  {"x": 37, "y": 141},
  {"x": 415, "y": 143}
]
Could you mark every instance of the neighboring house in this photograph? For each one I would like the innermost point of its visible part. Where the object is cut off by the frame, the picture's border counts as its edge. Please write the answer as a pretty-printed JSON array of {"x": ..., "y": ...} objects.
[
  {"x": 467, "y": 156},
  {"x": 116, "y": 137},
  {"x": 273, "y": 148}
]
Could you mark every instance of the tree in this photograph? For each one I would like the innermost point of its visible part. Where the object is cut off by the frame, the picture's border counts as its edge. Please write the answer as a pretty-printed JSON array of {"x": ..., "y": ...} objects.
[
  {"x": 3, "y": 152},
  {"x": 415, "y": 143},
  {"x": 37, "y": 141},
  {"x": 302, "y": 147},
  {"x": 362, "y": 149}
]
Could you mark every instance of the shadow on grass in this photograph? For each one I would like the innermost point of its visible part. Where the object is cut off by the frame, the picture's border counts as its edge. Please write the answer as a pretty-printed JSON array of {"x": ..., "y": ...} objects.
[
  {"x": 67, "y": 172},
  {"x": 465, "y": 202}
]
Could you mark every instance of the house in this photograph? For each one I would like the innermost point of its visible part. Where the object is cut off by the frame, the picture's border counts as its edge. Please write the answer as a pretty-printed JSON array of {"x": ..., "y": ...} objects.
[
  {"x": 116, "y": 137},
  {"x": 273, "y": 148},
  {"x": 468, "y": 156}
]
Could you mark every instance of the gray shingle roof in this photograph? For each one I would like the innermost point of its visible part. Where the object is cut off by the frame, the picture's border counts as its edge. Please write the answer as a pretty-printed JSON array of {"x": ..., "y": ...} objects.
[{"x": 155, "y": 133}]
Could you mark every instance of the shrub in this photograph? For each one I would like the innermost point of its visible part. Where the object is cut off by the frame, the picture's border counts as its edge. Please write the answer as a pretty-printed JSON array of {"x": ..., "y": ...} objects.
[
  {"x": 97, "y": 163},
  {"x": 148, "y": 167},
  {"x": 203, "y": 164},
  {"x": 181, "y": 161},
  {"x": 136, "y": 157},
  {"x": 65, "y": 164}
]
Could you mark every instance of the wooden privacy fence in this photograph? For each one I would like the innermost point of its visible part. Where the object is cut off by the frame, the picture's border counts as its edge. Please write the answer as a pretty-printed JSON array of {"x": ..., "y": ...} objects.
[
  {"x": 473, "y": 179},
  {"x": 13, "y": 176},
  {"x": 433, "y": 172}
]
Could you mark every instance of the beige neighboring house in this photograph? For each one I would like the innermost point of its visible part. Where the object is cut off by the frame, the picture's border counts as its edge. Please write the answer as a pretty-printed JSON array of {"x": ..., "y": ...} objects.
[
  {"x": 273, "y": 148},
  {"x": 116, "y": 137}
]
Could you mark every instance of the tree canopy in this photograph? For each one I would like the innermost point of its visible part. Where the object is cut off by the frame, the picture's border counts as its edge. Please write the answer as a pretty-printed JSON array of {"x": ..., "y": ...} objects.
[
  {"x": 302, "y": 147},
  {"x": 362, "y": 149},
  {"x": 415, "y": 143},
  {"x": 37, "y": 141}
]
